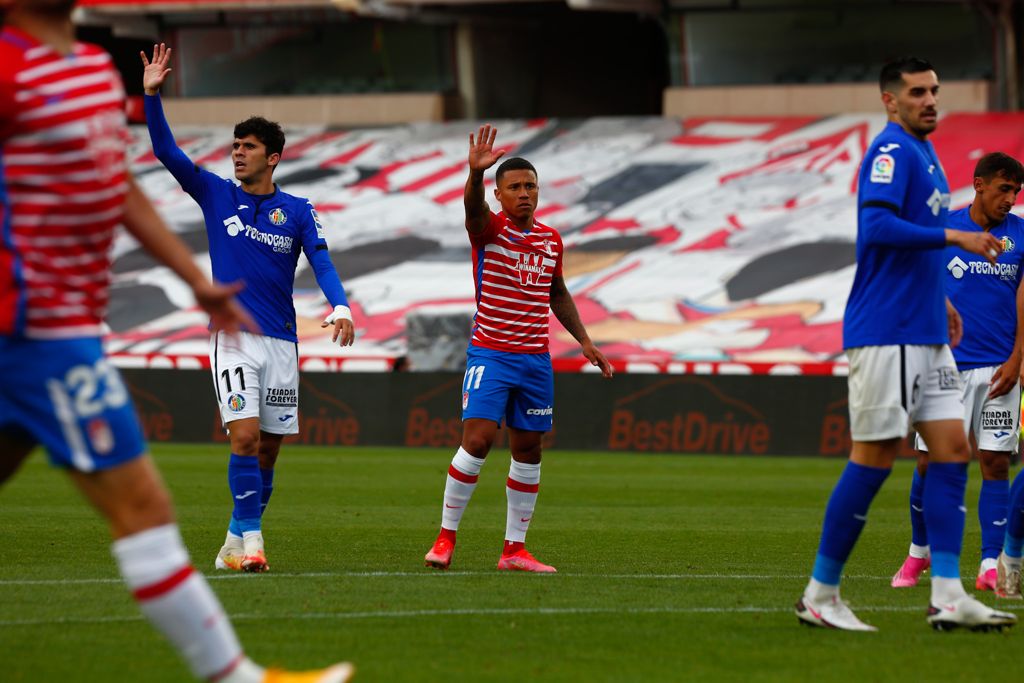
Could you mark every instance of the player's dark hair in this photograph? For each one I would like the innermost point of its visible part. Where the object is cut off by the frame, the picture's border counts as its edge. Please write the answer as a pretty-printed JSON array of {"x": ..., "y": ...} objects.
[
  {"x": 513, "y": 164},
  {"x": 998, "y": 164},
  {"x": 267, "y": 132},
  {"x": 892, "y": 73}
]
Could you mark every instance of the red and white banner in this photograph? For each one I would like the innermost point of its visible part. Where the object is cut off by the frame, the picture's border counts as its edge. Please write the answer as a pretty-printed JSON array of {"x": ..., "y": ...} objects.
[{"x": 705, "y": 245}]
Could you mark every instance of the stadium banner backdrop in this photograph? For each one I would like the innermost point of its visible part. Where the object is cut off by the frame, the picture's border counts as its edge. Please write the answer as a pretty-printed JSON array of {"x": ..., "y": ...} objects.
[
  {"x": 645, "y": 413},
  {"x": 702, "y": 245}
]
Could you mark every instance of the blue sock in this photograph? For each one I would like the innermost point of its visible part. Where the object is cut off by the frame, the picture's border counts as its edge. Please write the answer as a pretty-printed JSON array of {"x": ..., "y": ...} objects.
[
  {"x": 918, "y": 528},
  {"x": 944, "y": 513},
  {"x": 245, "y": 484},
  {"x": 1014, "y": 540},
  {"x": 992, "y": 502},
  {"x": 845, "y": 516},
  {"x": 268, "y": 488}
]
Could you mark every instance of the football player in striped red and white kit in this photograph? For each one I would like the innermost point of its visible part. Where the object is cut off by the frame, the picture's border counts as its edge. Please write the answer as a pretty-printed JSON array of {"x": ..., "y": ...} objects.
[
  {"x": 517, "y": 270},
  {"x": 64, "y": 189}
]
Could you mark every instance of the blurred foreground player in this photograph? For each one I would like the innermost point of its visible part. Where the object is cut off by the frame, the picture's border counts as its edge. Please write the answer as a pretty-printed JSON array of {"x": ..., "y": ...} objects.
[
  {"x": 897, "y": 331},
  {"x": 517, "y": 269},
  {"x": 990, "y": 299},
  {"x": 255, "y": 232},
  {"x": 65, "y": 188}
]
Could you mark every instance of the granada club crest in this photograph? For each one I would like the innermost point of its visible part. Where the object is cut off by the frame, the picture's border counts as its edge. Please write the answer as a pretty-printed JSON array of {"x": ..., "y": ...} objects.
[
  {"x": 236, "y": 403},
  {"x": 278, "y": 217},
  {"x": 100, "y": 435}
]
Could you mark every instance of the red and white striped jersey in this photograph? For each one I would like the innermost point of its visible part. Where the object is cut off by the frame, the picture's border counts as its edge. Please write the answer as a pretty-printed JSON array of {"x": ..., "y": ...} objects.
[
  {"x": 512, "y": 271},
  {"x": 63, "y": 181}
]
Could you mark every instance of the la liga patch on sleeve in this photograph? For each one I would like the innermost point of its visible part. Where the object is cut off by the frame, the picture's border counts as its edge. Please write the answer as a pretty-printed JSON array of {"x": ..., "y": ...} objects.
[{"x": 882, "y": 168}]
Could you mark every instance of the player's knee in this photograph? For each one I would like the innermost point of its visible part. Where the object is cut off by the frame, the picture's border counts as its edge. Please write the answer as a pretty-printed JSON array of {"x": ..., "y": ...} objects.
[
  {"x": 245, "y": 442},
  {"x": 528, "y": 454},
  {"x": 995, "y": 465},
  {"x": 142, "y": 509},
  {"x": 477, "y": 445}
]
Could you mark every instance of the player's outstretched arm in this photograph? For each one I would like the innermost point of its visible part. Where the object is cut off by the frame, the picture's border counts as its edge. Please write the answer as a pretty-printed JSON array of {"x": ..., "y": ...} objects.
[
  {"x": 481, "y": 157},
  {"x": 564, "y": 309},
  {"x": 1008, "y": 374},
  {"x": 165, "y": 148},
  {"x": 143, "y": 222}
]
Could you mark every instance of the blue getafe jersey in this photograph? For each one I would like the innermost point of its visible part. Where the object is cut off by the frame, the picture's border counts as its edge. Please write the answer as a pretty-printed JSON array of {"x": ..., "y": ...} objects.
[
  {"x": 985, "y": 295},
  {"x": 253, "y": 238},
  {"x": 902, "y": 209},
  {"x": 257, "y": 239}
]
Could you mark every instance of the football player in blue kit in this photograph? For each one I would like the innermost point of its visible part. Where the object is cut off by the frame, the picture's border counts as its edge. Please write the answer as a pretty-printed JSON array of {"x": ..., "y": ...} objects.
[
  {"x": 989, "y": 299},
  {"x": 256, "y": 232},
  {"x": 897, "y": 332}
]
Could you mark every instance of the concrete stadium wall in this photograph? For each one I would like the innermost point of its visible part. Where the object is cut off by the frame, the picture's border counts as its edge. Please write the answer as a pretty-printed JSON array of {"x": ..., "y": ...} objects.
[
  {"x": 808, "y": 100},
  {"x": 728, "y": 415},
  {"x": 329, "y": 110}
]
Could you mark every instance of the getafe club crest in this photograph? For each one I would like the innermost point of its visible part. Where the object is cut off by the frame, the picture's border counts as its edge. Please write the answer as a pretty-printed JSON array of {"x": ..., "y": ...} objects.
[
  {"x": 277, "y": 217},
  {"x": 236, "y": 403},
  {"x": 1008, "y": 244}
]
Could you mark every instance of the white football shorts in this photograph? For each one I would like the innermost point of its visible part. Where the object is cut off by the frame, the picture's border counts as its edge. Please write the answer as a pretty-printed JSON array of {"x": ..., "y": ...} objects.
[
  {"x": 994, "y": 421},
  {"x": 892, "y": 387},
  {"x": 256, "y": 376}
]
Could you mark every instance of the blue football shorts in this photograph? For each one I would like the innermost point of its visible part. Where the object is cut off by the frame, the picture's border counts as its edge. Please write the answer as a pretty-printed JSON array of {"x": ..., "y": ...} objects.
[
  {"x": 65, "y": 395},
  {"x": 518, "y": 387}
]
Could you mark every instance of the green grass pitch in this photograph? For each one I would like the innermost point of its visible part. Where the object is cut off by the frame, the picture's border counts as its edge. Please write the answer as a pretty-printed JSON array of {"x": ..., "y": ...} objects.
[{"x": 671, "y": 568}]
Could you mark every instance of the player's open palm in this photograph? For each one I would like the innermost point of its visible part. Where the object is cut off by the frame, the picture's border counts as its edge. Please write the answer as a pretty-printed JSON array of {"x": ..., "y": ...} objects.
[
  {"x": 155, "y": 72},
  {"x": 481, "y": 149}
]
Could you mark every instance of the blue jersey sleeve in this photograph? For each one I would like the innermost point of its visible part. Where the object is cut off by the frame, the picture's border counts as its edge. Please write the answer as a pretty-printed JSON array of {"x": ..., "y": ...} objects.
[
  {"x": 881, "y": 226},
  {"x": 881, "y": 197},
  {"x": 315, "y": 247},
  {"x": 191, "y": 178}
]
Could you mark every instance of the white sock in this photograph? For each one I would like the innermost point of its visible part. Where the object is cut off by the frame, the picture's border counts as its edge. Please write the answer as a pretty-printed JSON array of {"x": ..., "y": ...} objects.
[
  {"x": 987, "y": 563},
  {"x": 920, "y": 551},
  {"x": 818, "y": 591},
  {"x": 946, "y": 590},
  {"x": 521, "y": 492},
  {"x": 458, "y": 488},
  {"x": 1011, "y": 562},
  {"x": 178, "y": 601}
]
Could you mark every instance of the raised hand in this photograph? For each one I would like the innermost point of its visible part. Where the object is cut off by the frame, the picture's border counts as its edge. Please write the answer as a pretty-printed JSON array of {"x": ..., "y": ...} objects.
[
  {"x": 481, "y": 150},
  {"x": 154, "y": 72}
]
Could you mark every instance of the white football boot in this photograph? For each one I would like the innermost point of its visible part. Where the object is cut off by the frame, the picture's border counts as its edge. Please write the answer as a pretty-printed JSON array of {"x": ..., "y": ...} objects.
[
  {"x": 255, "y": 559},
  {"x": 966, "y": 612},
  {"x": 829, "y": 612},
  {"x": 231, "y": 553},
  {"x": 1007, "y": 578}
]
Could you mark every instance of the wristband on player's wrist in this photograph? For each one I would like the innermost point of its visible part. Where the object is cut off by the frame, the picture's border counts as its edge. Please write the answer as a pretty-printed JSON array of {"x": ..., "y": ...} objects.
[{"x": 339, "y": 313}]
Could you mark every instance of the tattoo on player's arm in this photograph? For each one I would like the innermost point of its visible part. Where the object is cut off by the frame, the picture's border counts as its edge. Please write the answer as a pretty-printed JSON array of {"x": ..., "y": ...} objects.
[{"x": 564, "y": 309}]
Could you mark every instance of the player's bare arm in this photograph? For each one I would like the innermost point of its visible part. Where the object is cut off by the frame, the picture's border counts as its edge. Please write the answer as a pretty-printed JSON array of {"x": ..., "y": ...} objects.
[
  {"x": 1008, "y": 374},
  {"x": 143, "y": 222},
  {"x": 564, "y": 309},
  {"x": 481, "y": 157},
  {"x": 956, "y": 324},
  {"x": 155, "y": 71},
  {"x": 981, "y": 243}
]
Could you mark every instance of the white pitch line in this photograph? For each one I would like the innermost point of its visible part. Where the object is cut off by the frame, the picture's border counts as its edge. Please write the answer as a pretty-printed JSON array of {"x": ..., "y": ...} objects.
[
  {"x": 433, "y": 574},
  {"x": 413, "y": 614}
]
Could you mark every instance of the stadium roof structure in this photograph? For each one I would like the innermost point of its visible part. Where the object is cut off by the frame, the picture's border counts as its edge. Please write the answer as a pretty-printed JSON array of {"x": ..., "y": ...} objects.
[{"x": 369, "y": 7}]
